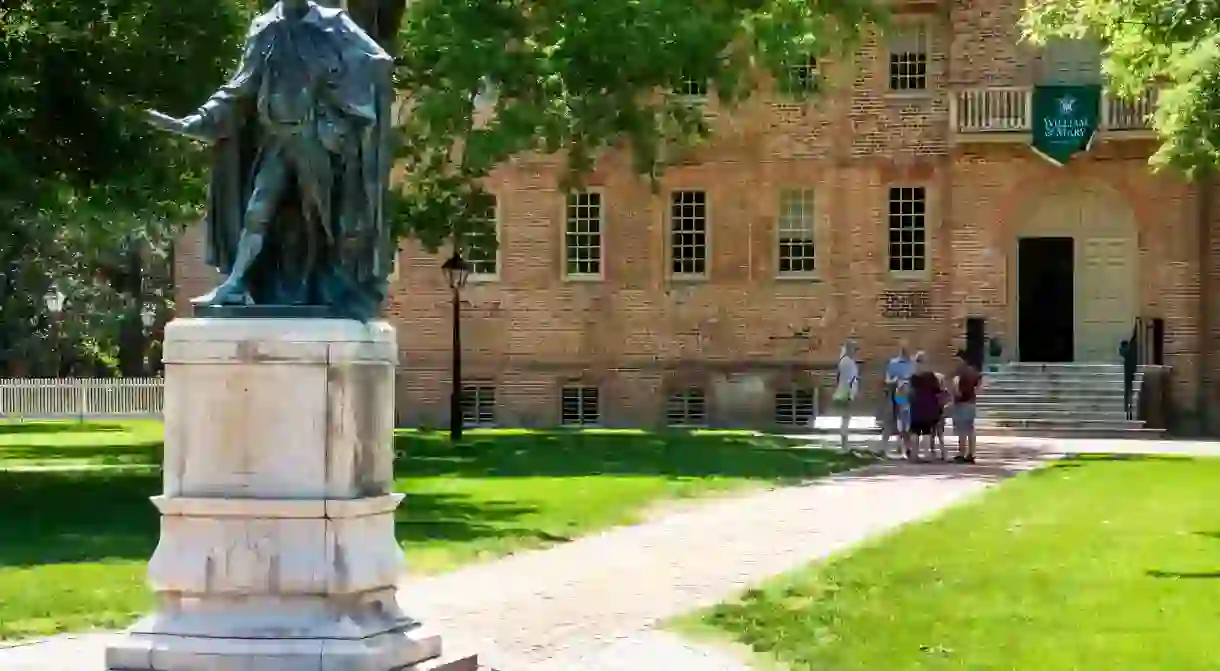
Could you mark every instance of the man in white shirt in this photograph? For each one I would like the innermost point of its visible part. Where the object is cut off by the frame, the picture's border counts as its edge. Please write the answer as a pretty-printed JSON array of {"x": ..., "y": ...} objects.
[{"x": 847, "y": 387}]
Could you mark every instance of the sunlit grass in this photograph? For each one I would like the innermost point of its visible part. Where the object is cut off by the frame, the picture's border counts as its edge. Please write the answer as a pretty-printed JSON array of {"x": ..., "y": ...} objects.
[{"x": 79, "y": 528}]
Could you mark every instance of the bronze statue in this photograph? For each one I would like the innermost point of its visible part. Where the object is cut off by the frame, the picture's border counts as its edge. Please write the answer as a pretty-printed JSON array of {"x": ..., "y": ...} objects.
[{"x": 301, "y": 140}]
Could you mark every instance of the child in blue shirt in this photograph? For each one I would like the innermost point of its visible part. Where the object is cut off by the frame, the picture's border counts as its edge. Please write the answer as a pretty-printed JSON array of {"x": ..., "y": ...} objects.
[{"x": 902, "y": 410}]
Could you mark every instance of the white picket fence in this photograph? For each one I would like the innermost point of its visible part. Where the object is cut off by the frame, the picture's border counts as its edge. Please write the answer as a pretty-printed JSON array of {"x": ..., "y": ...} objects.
[{"x": 85, "y": 398}]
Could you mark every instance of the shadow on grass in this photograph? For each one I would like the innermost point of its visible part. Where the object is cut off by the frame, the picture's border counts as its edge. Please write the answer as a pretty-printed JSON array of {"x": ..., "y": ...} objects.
[
  {"x": 1174, "y": 575},
  {"x": 60, "y": 427},
  {"x": 675, "y": 455},
  {"x": 77, "y": 516},
  {"x": 61, "y": 516},
  {"x": 1074, "y": 461},
  {"x": 454, "y": 518},
  {"x": 55, "y": 517},
  {"x": 147, "y": 452}
]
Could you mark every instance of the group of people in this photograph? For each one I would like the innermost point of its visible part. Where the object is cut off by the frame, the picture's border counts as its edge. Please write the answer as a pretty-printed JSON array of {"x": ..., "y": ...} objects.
[{"x": 916, "y": 404}]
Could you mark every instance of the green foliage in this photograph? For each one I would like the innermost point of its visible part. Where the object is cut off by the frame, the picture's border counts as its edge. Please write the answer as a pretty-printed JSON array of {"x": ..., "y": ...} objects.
[
  {"x": 1172, "y": 42},
  {"x": 488, "y": 80},
  {"x": 83, "y": 181}
]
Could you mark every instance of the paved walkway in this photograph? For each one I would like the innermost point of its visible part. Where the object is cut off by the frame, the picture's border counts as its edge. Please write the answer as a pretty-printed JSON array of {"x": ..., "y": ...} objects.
[{"x": 592, "y": 605}]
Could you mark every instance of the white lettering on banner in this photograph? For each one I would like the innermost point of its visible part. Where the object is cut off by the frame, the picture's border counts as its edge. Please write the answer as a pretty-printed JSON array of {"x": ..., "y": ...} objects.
[{"x": 1066, "y": 127}]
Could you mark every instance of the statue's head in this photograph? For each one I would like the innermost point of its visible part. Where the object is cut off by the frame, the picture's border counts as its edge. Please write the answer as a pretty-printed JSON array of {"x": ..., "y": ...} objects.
[{"x": 295, "y": 6}]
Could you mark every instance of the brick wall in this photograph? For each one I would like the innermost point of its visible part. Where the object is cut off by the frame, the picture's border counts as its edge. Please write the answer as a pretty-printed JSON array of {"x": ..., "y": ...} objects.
[
  {"x": 192, "y": 277},
  {"x": 742, "y": 332}
]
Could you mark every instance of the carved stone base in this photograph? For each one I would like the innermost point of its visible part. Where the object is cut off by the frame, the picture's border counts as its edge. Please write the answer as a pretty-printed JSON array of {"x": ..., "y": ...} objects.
[
  {"x": 326, "y": 639},
  {"x": 277, "y": 549}
]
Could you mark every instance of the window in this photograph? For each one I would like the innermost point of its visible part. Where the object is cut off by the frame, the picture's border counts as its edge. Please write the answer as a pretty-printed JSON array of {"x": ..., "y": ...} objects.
[
  {"x": 583, "y": 235},
  {"x": 802, "y": 77},
  {"x": 1070, "y": 62},
  {"x": 794, "y": 407},
  {"x": 688, "y": 232},
  {"x": 687, "y": 407},
  {"x": 484, "y": 258},
  {"x": 909, "y": 59},
  {"x": 797, "y": 226},
  {"x": 692, "y": 87},
  {"x": 479, "y": 405},
  {"x": 908, "y": 229},
  {"x": 580, "y": 406}
]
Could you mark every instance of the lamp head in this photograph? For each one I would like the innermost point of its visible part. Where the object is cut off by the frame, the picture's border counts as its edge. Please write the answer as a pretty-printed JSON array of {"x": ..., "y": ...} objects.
[{"x": 456, "y": 271}]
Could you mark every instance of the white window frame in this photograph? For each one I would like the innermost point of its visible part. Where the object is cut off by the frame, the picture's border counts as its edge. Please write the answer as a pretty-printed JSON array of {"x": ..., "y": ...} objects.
[
  {"x": 601, "y": 235},
  {"x": 680, "y": 403},
  {"x": 473, "y": 416},
  {"x": 809, "y": 199},
  {"x": 497, "y": 226},
  {"x": 787, "y": 405},
  {"x": 583, "y": 394},
  {"x": 809, "y": 63},
  {"x": 892, "y": 217},
  {"x": 693, "y": 90},
  {"x": 671, "y": 232},
  {"x": 908, "y": 47}
]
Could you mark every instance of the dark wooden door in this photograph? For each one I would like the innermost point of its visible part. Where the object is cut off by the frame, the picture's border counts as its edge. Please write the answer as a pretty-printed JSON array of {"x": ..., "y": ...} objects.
[{"x": 1045, "y": 299}]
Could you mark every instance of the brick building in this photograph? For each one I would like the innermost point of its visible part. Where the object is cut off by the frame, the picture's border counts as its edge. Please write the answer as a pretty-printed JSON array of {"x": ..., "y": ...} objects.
[{"x": 902, "y": 202}]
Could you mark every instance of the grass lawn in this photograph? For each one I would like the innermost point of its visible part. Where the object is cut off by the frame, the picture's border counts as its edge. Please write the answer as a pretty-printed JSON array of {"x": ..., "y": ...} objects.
[
  {"x": 1096, "y": 563},
  {"x": 78, "y": 528}
]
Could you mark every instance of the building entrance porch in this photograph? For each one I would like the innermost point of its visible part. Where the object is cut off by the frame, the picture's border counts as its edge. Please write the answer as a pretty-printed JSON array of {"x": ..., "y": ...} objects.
[{"x": 1076, "y": 276}]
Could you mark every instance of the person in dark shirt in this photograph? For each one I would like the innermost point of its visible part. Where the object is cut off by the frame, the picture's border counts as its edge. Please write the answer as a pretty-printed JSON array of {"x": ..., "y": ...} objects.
[
  {"x": 966, "y": 383},
  {"x": 1129, "y": 352},
  {"x": 925, "y": 404}
]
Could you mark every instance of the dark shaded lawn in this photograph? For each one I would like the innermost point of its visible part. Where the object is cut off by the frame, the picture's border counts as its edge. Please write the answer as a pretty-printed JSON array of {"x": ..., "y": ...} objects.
[
  {"x": 79, "y": 527},
  {"x": 1096, "y": 563}
]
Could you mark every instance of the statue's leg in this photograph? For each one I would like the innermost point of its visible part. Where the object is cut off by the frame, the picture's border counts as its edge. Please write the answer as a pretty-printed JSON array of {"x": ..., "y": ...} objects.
[
  {"x": 269, "y": 186},
  {"x": 315, "y": 180}
]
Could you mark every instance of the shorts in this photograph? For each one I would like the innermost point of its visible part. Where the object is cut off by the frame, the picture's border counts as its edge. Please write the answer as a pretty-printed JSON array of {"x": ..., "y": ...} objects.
[
  {"x": 923, "y": 428},
  {"x": 902, "y": 418},
  {"x": 964, "y": 415},
  {"x": 887, "y": 417}
]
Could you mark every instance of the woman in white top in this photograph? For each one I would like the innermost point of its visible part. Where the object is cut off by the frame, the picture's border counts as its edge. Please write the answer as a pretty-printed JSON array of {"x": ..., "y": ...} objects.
[{"x": 847, "y": 387}]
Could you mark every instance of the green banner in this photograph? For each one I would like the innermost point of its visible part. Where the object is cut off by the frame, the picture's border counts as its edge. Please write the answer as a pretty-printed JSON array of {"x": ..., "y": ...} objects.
[{"x": 1064, "y": 120}]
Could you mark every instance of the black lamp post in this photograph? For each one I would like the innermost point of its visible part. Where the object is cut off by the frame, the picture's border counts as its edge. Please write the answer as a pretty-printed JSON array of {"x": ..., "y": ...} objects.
[
  {"x": 55, "y": 300},
  {"x": 456, "y": 271}
]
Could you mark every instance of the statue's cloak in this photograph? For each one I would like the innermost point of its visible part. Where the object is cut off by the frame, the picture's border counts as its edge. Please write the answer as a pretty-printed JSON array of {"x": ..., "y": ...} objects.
[{"x": 362, "y": 255}]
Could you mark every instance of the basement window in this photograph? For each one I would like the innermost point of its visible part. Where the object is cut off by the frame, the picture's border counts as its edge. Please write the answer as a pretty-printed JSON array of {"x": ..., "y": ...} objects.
[
  {"x": 794, "y": 406},
  {"x": 686, "y": 408},
  {"x": 580, "y": 406}
]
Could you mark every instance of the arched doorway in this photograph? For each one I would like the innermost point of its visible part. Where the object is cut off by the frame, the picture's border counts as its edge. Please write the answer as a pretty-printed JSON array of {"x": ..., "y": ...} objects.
[{"x": 1076, "y": 265}]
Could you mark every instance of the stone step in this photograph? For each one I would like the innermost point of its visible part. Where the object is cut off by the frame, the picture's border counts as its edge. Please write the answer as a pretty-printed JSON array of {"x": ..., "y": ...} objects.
[
  {"x": 1066, "y": 414},
  {"x": 1040, "y": 386},
  {"x": 1033, "y": 397},
  {"x": 1024, "y": 366},
  {"x": 1109, "y": 403},
  {"x": 1061, "y": 422},
  {"x": 451, "y": 662},
  {"x": 1070, "y": 432},
  {"x": 1056, "y": 382},
  {"x": 1038, "y": 401}
]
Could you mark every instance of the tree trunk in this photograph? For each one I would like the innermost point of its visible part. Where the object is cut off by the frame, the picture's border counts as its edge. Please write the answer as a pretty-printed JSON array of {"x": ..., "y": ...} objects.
[
  {"x": 380, "y": 19},
  {"x": 131, "y": 329}
]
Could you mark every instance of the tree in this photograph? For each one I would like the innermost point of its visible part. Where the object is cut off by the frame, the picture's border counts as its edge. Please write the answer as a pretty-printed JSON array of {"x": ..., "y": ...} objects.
[
  {"x": 85, "y": 186},
  {"x": 1175, "y": 43},
  {"x": 578, "y": 78}
]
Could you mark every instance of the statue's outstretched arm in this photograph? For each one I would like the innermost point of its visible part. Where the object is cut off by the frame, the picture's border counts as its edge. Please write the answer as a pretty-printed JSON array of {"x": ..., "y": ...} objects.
[{"x": 217, "y": 118}]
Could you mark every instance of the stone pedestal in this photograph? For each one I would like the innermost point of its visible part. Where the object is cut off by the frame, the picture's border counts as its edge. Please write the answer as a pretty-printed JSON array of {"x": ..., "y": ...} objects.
[{"x": 277, "y": 548}]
